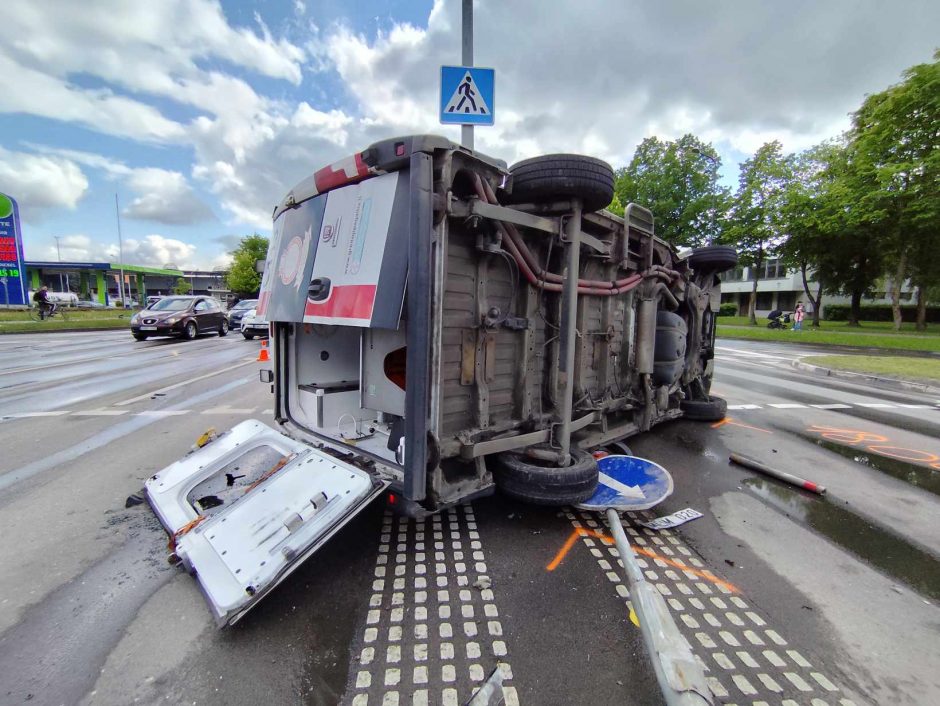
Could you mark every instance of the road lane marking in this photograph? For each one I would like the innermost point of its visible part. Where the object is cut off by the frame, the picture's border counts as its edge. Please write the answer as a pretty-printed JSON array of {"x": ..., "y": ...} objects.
[
  {"x": 26, "y": 415},
  {"x": 224, "y": 409},
  {"x": 100, "y": 413},
  {"x": 787, "y": 405},
  {"x": 744, "y": 406},
  {"x": 112, "y": 433},
  {"x": 876, "y": 405},
  {"x": 163, "y": 390},
  {"x": 161, "y": 413},
  {"x": 834, "y": 405}
]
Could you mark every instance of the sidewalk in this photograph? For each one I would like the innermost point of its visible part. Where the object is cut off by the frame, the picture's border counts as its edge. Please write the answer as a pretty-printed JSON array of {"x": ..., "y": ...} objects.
[{"x": 874, "y": 380}]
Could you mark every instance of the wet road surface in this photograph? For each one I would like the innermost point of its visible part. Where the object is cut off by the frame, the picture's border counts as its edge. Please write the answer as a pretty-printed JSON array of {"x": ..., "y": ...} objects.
[{"x": 786, "y": 598}]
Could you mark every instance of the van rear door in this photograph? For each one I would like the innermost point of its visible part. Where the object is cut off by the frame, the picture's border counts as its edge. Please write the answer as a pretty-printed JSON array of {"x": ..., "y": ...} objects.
[{"x": 249, "y": 507}]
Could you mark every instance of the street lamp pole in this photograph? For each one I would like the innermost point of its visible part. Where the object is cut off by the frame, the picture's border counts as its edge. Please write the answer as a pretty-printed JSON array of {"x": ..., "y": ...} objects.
[
  {"x": 117, "y": 211},
  {"x": 58, "y": 251}
]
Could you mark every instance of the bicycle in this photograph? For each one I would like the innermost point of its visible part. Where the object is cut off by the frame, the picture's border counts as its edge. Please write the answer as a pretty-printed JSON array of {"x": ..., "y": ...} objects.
[{"x": 35, "y": 313}]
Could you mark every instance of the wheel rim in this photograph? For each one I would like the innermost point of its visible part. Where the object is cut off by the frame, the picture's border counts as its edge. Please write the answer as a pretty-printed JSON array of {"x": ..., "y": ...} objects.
[{"x": 191, "y": 330}]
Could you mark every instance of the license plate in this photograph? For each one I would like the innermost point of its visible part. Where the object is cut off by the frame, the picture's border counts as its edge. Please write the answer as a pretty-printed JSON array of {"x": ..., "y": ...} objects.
[{"x": 148, "y": 328}]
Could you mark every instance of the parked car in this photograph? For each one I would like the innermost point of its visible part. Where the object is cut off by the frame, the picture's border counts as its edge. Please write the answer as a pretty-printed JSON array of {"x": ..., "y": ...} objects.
[
  {"x": 236, "y": 313},
  {"x": 253, "y": 325},
  {"x": 180, "y": 316},
  {"x": 90, "y": 304},
  {"x": 537, "y": 327}
]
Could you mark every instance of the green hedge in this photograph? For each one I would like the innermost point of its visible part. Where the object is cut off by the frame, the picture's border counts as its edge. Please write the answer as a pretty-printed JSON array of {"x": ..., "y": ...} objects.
[
  {"x": 879, "y": 312},
  {"x": 728, "y": 310}
]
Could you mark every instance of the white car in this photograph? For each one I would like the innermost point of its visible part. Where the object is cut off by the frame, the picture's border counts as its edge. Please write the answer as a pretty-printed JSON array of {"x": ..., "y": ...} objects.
[{"x": 253, "y": 325}]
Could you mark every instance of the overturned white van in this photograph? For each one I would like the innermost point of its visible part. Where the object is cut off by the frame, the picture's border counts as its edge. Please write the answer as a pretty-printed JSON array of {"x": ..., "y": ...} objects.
[{"x": 442, "y": 327}]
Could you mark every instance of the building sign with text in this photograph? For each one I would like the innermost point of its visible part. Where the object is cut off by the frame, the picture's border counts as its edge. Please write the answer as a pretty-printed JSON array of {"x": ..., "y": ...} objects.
[{"x": 12, "y": 272}]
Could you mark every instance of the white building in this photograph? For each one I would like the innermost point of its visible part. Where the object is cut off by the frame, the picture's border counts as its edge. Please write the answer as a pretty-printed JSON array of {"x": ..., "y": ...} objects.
[{"x": 780, "y": 288}]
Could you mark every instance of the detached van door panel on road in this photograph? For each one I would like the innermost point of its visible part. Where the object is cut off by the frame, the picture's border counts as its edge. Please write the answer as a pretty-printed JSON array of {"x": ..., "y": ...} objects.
[{"x": 246, "y": 509}]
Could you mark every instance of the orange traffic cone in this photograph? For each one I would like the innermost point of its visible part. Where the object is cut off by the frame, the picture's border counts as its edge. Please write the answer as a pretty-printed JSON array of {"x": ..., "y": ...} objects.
[{"x": 263, "y": 356}]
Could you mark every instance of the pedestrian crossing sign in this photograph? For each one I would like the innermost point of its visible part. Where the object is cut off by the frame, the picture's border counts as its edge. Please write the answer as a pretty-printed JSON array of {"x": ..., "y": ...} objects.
[{"x": 467, "y": 95}]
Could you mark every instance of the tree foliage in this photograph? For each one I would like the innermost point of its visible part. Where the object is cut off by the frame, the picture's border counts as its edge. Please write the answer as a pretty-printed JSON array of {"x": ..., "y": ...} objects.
[
  {"x": 756, "y": 226},
  {"x": 895, "y": 140},
  {"x": 182, "y": 286},
  {"x": 243, "y": 278},
  {"x": 678, "y": 181}
]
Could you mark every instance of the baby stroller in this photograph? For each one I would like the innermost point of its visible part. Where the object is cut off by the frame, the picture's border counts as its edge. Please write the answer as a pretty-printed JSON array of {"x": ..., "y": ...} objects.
[{"x": 775, "y": 321}]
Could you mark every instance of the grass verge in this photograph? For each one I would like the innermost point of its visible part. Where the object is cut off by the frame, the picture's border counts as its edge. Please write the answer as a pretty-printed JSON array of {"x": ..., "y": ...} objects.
[
  {"x": 924, "y": 369},
  {"x": 867, "y": 327},
  {"x": 18, "y": 321},
  {"x": 824, "y": 337}
]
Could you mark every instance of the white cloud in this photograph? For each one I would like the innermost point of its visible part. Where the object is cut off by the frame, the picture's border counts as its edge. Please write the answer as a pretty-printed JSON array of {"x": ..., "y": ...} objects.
[
  {"x": 157, "y": 250},
  {"x": 149, "y": 251},
  {"x": 582, "y": 77},
  {"x": 39, "y": 182},
  {"x": 154, "y": 48},
  {"x": 165, "y": 197},
  {"x": 161, "y": 195}
]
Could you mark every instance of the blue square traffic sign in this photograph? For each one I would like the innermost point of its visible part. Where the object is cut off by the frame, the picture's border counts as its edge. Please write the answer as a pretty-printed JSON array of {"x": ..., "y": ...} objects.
[{"x": 468, "y": 95}]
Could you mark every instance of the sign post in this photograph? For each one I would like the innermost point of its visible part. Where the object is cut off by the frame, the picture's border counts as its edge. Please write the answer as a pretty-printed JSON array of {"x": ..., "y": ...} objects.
[
  {"x": 11, "y": 253},
  {"x": 467, "y": 92}
]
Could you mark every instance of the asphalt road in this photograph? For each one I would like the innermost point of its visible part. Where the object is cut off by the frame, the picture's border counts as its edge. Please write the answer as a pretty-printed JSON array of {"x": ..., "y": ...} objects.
[{"x": 785, "y": 597}]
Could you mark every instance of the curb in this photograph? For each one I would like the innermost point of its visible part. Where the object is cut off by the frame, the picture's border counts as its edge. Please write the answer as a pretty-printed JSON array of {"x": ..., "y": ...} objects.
[{"x": 887, "y": 383}]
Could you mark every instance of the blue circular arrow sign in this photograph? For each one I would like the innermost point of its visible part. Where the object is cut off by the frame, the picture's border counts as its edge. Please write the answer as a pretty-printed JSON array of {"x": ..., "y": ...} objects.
[{"x": 629, "y": 483}]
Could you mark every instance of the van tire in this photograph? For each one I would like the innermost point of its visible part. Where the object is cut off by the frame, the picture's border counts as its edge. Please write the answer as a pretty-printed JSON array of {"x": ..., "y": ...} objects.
[
  {"x": 713, "y": 258},
  {"x": 522, "y": 478},
  {"x": 713, "y": 409},
  {"x": 562, "y": 176}
]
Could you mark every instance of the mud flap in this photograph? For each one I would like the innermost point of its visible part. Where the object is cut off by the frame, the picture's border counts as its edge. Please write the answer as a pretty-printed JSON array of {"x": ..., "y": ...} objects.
[{"x": 248, "y": 508}]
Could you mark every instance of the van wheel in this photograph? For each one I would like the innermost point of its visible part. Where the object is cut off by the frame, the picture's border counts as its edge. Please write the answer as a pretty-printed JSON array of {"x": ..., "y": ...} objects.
[
  {"x": 531, "y": 481},
  {"x": 713, "y": 258},
  {"x": 563, "y": 176},
  {"x": 713, "y": 409}
]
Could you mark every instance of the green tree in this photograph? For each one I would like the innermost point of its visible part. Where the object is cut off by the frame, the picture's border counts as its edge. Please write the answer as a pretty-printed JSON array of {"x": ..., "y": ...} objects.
[
  {"x": 895, "y": 138},
  {"x": 243, "y": 278},
  {"x": 756, "y": 226},
  {"x": 182, "y": 286},
  {"x": 822, "y": 240},
  {"x": 678, "y": 181}
]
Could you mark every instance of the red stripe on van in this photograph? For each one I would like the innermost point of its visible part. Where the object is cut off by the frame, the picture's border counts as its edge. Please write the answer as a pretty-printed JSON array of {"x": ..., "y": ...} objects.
[{"x": 351, "y": 301}]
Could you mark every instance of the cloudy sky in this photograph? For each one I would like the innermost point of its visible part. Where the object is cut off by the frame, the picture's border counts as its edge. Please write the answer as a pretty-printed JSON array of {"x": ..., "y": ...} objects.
[{"x": 200, "y": 114}]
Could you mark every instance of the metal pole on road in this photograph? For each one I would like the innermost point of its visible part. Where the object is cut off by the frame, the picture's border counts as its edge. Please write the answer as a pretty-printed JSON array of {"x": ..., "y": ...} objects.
[
  {"x": 466, "y": 131},
  {"x": 680, "y": 676}
]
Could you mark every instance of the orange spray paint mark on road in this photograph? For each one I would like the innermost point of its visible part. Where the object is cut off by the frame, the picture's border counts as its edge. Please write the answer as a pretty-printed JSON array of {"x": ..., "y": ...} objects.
[
  {"x": 876, "y": 444},
  {"x": 579, "y": 532},
  {"x": 733, "y": 422}
]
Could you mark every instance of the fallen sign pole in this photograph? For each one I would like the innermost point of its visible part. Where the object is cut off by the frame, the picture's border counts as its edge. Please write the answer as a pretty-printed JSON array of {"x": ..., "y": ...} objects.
[
  {"x": 680, "y": 676},
  {"x": 779, "y": 475}
]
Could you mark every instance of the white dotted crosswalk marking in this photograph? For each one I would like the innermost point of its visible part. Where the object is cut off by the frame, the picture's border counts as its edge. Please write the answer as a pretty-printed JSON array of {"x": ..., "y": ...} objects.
[
  {"x": 734, "y": 644},
  {"x": 425, "y": 587}
]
